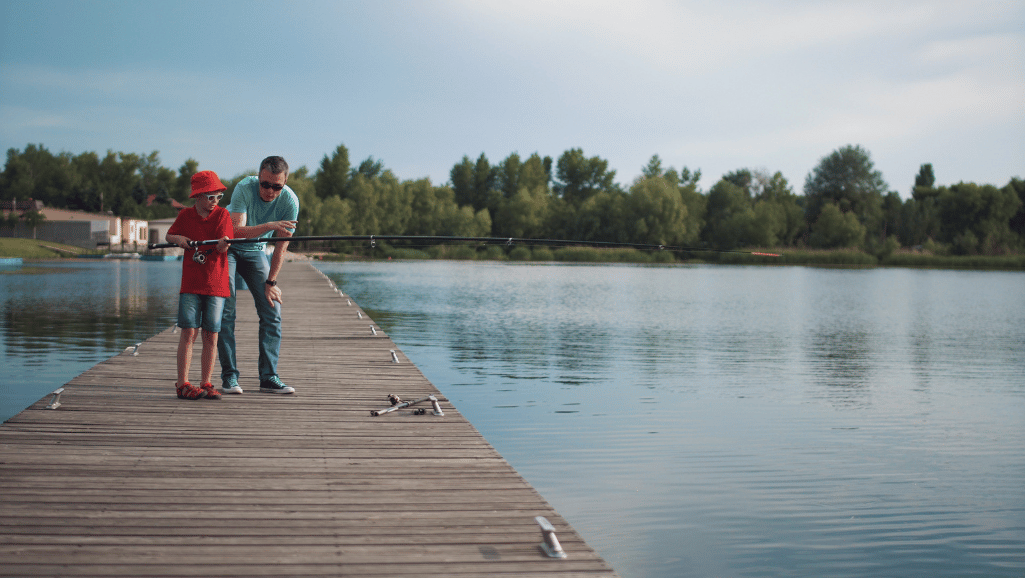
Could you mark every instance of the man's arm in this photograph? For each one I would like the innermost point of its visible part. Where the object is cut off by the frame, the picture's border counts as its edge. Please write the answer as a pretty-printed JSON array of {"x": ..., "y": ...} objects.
[{"x": 238, "y": 220}]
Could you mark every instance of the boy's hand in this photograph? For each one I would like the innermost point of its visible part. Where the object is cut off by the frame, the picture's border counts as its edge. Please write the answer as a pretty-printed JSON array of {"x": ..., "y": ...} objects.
[
  {"x": 223, "y": 244},
  {"x": 183, "y": 242}
]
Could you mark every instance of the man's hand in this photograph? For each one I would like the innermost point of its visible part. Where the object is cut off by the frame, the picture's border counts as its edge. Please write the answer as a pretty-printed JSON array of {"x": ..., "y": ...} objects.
[
  {"x": 283, "y": 227},
  {"x": 272, "y": 293}
]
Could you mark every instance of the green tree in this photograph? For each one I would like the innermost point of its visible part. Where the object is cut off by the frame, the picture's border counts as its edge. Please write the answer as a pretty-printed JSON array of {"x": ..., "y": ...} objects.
[
  {"x": 461, "y": 177},
  {"x": 729, "y": 216},
  {"x": 535, "y": 172},
  {"x": 743, "y": 178},
  {"x": 183, "y": 183},
  {"x": 507, "y": 178},
  {"x": 778, "y": 195},
  {"x": 977, "y": 218},
  {"x": 848, "y": 179},
  {"x": 369, "y": 168},
  {"x": 1017, "y": 223},
  {"x": 526, "y": 215},
  {"x": 836, "y": 229},
  {"x": 657, "y": 213},
  {"x": 332, "y": 178},
  {"x": 653, "y": 168},
  {"x": 380, "y": 206},
  {"x": 579, "y": 177},
  {"x": 600, "y": 217},
  {"x": 925, "y": 177},
  {"x": 472, "y": 181}
]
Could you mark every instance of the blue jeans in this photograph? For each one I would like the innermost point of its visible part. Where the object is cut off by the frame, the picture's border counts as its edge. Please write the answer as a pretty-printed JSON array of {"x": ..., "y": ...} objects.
[{"x": 253, "y": 268}]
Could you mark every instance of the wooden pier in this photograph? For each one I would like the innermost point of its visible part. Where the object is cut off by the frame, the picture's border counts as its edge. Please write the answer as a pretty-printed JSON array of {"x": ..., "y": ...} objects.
[{"x": 125, "y": 479}]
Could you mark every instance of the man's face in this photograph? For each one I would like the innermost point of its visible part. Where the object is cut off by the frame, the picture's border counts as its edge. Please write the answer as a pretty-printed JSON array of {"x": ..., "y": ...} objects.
[{"x": 276, "y": 181}]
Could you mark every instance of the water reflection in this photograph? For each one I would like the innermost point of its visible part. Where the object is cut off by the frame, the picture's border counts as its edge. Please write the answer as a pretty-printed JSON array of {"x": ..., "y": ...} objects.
[
  {"x": 59, "y": 319},
  {"x": 713, "y": 421}
]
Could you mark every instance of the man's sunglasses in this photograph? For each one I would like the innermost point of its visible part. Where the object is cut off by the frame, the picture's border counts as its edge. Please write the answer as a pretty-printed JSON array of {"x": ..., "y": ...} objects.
[
  {"x": 213, "y": 198},
  {"x": 266, "y": 185}
]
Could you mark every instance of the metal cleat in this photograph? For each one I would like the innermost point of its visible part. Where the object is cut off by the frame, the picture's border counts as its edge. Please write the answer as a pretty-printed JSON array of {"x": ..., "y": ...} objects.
[
  {"x": 551, "y": 544},
  {"x": 55, "y": 402},
  {"x": 437, "y": 407}
]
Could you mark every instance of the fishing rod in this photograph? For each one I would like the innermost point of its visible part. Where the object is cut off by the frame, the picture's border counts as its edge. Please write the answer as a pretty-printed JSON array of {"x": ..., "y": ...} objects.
[
  {"x": 508, "y": 241},
  {"x": 398, "y": 404}
]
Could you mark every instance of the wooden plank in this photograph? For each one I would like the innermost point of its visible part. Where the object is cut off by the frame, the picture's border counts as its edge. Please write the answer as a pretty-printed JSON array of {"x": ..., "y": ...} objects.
[{"x": 127, "y": 480}]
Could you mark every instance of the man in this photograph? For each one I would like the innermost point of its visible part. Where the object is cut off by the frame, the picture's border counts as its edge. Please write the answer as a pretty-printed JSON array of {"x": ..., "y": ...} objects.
[{"x": 260, "y": 206}]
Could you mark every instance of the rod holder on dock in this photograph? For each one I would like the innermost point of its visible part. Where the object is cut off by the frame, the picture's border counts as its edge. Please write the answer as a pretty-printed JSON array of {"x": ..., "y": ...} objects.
[
  {"x": 135, "y": 348},
  {"x": 372, "y": 330},
  {"x": 349, "y": 302},
  {"x": 55, "y": 402},
  {"x": 435, "y": 405},
  {"x": 551, "y": 544},
  {"x": 394, "y": 357},
  {"x": 359, "y": 314}
]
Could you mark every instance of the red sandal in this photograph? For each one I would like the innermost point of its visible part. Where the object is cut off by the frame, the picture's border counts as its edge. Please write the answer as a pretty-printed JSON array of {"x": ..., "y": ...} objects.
[
  {"x": 189, "y": 391},
  {"x": 211, "y": 393}
]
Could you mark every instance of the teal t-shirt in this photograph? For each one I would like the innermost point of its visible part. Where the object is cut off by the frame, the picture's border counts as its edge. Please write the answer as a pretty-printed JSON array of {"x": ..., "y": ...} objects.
[{"x": 246, "y": 199}]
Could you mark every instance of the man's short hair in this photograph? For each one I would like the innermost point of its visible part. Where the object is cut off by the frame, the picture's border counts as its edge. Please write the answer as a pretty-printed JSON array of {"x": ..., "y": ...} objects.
[{"x": 275, "y": 164}]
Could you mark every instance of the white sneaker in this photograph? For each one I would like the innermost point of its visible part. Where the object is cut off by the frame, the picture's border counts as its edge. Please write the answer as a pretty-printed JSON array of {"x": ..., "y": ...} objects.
[{"x": 231, "y": 386}]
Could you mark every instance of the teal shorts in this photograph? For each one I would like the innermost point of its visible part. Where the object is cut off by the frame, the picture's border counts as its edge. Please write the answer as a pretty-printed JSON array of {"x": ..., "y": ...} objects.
[{"x": 195, "y": 311}]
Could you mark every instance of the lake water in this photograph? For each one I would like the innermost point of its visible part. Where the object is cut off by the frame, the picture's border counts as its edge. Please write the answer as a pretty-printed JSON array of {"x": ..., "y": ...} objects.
[
  {"x": 687, "y": 420},
  {"x": 58, "y": 319}
]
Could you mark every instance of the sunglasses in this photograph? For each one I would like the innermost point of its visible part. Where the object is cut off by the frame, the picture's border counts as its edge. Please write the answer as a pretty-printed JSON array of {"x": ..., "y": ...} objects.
[
  {"x": 266, "y": 185},
  {"x": 213, "y": 198}
]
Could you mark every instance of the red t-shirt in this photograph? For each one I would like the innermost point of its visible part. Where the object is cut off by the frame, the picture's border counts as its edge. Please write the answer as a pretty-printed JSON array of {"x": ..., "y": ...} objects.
[{"x": 211, "y": 278}]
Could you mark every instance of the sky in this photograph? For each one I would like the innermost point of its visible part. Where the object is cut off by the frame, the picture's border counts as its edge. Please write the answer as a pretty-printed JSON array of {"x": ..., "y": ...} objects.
[{"x": 714, "y": 86}]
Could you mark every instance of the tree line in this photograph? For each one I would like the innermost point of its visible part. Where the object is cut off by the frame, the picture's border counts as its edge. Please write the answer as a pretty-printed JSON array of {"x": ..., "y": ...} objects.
[{"x": 844, "y": 203}]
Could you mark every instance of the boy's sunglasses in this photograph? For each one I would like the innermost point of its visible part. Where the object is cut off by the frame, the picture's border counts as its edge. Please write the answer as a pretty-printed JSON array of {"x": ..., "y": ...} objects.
[
  {"x": 213, "y": 198},
  {"x": 266, "y": 185}
]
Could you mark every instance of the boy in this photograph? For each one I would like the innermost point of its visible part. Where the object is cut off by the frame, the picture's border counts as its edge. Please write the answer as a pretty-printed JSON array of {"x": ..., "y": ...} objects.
[{"x": 204, "y": 280}]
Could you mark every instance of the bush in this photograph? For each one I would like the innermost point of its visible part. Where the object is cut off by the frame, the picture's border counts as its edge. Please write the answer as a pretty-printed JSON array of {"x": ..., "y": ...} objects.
[
  {"x": 454, "y": 252},
  {"x": 542, "y": 254},
  {"x": 493, "y": 253},
  {"x": 520, "y": 253}
]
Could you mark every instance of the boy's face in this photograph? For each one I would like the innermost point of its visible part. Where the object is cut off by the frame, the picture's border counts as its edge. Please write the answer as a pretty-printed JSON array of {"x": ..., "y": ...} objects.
[{"x": 207, "y": 201}]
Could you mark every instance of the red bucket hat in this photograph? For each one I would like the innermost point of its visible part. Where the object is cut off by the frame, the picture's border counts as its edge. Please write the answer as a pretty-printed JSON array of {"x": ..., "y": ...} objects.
[{"x": 205, "y": 182}]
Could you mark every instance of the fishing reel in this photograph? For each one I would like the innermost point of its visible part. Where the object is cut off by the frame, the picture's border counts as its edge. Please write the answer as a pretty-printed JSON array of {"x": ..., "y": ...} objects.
[{"x": 200, "y": 256}]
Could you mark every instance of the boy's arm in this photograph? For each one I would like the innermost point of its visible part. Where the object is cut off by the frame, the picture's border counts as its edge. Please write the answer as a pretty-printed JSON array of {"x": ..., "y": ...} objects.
[{"x": 180, "y": 240}]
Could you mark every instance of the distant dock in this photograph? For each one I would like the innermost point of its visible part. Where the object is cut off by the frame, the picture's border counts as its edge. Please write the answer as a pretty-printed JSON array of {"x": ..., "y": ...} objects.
[{"x": 124, "y": 479}]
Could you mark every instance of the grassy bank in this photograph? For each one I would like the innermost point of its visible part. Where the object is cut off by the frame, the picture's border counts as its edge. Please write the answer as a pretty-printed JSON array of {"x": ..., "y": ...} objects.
[
  {"x": 33, "y": 249},
  {"x": 831, "y": 258}
]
